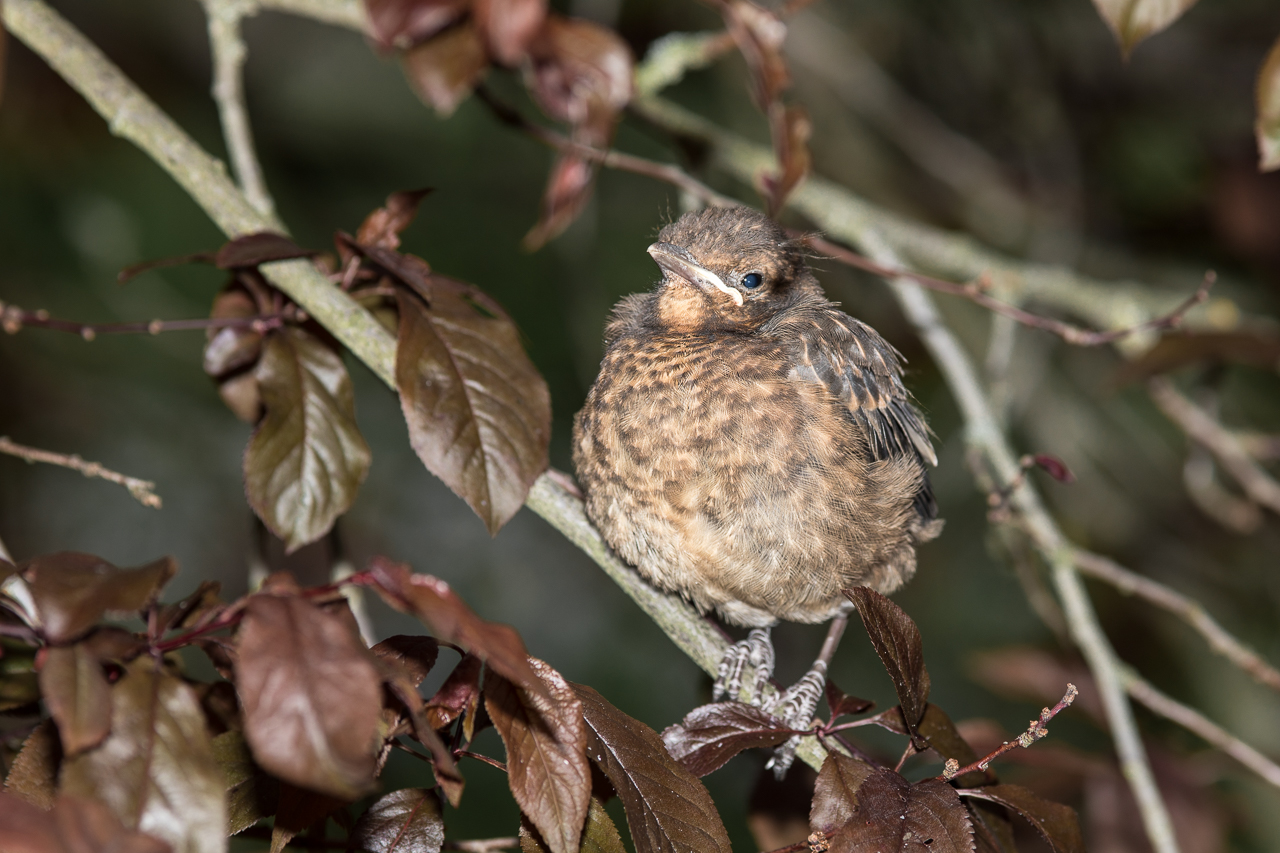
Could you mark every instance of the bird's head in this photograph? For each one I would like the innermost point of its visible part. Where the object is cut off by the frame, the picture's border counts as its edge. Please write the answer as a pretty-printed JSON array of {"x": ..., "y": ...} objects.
[{"x": 725, "y": 268}]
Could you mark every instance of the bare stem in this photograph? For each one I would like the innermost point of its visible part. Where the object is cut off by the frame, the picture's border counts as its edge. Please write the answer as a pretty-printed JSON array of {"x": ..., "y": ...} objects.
[
  {"x": 1038, "y": 730},
  {"x": 228, "y": 92},
  {"x": 1182, "y": 606},
  {"x": 13, "y": 319},
  {"x": 142, "y": 490},
  {"x": 1204, "y": 429},
  {"x": 1193, "y": 721}
]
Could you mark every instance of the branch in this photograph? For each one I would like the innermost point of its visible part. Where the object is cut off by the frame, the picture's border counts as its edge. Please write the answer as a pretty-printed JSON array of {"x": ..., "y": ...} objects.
[
  {"x": 1194, "y": 721},
  {"x": 228, "y": 92},
  {"x": 1187, "y": 609},
  {"x": 13, "y": 319},
  {"x": 1202, "y": 428},
  {"x": 976, "y": 292},
  {"x": 142, "y": 490},
  {"x": 1038, "y": 730}
]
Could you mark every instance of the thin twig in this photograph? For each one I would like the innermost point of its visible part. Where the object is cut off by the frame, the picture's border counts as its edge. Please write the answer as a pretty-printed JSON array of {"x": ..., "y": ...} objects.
[
  {"x": 229, "y": 54},
  {"x": 976, "y": 292},
  {"x": 1202, "y": 428},
  {"x": 1182, "y": 606},
  {"x": 1038, "y": 730},
  {"x": 484, "y": 759},
  {"x": 143, "y": 491},
  {"x": 665, "y": 172},
  {"x": 1193, "y": 721},
  {"x": 13, "y": 319}
]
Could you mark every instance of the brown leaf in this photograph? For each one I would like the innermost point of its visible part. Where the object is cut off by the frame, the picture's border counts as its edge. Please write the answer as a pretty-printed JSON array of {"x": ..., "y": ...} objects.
[
  {"x": 34, "y": 773},
  {"x": 667, "y": 808},
  {"x": 72, "y": 591},
  {"x": 835, "y": 794},
  {"x": 1054, "y": 467},
  {"x": 945, "y": 739},
  {"x": 404, "y": 821},
  {"x": 897, "y": 641},
  {"x": 894, "y": 816},
  {"x": 251, "y": 793},
  {"x": 442, "y": 762},
  {"x": 545, "y": 740},
  {"x": 507, "y": 26},
  {"x": 841, "y": 703},
  {"x": 74, "y": 825},
  {"x": 581, "y": 74},
  {"x": 1267, "y": 125},
  {"x": 156, "y": 770},
  {"x": 299, "y": 810},
  {"x": 459, "y": 694},
  {"x": 478, "y": 411},
  {"x": 1056, "y": 823},
  {"x": 992, "y": 827},
  {"x": 402, "y": 23},
  {"x": 413, "y": 656},
  {"x": 198, "y": 605},
  {"x": 710, "y": 735},
  {"x": 260, "y": 248},
  {"x": 310, "y": 694},
  {"x": 234, "y": 347},
  {"x": 76, "y": 691},
  {"x": 759, "y": 34},
  {"x": 306, "y": 459},
  {"x": 444, "y": 70},
  {"x": 598, "y": 836},
  {"x": 1134, "y": 20},
  {"x": 382, "y": 227},
  {"x": 439, "y": 607},
  {"x": 567, "y": 193}
]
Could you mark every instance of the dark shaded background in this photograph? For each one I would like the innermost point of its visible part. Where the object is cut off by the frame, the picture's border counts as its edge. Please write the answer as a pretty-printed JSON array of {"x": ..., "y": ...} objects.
[{"x": 1143, "y": 170}]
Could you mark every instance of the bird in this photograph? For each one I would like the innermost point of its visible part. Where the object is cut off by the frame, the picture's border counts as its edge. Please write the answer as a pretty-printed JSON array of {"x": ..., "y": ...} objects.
[{"x": 752, "y": 447}]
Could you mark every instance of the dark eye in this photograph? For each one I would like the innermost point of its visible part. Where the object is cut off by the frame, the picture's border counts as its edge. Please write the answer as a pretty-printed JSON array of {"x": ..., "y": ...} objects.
[{"x": 752, "y": 280}]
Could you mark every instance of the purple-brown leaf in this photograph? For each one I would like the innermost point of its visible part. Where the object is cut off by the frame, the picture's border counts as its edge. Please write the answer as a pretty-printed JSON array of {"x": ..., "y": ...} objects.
[
  {"x": 251, "y": 794},
  {"x": 547, "y": 766},
  {"x": 668, "y": 809},
  {"x": 1054, "y": 467},
  {"x": 841, "y": 703},
  {"x": 404, "y": 821},
  {"x": 74, "y": 825},
  {"x": 507, "y": 26},
  {"x": 310, "y": 694},
  {"x": 306, "y": 459},
  {"x": 439, "y": 607},
  {"x": 567, "y": 193},
  {"x": 581, "y": 74},
  {"x": 1134, "y": 20},
  {"x": 598, "y": 836},
  {"x": 260, "y": 248},
  {"x": 759, "y": 34},
  {"x": 710, "y": 735},
  {"x": 33, "y": 775},
  {"x": 894, "y": 816},
  {"x": 72, "y": 591},
  {"x": 1056, "y": 823},
  {"x": 790, "y": 129},
  {"x": 897, "y": 641},
  {"x": 403, "y": 23},
  {"x": 835, "y": 791},
  {"x": 412, "y": 656},
  {"x": 444, "y": 70},
  {"x": 156, "y": 770},
  {"x": 478, "y": 411},
  {"x": 459, "y": 694},
  {"x": 76, "y": 691}
]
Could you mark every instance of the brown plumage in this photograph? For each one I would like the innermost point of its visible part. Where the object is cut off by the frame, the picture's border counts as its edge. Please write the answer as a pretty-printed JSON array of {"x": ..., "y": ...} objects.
[{"x": 752, "y": 448}]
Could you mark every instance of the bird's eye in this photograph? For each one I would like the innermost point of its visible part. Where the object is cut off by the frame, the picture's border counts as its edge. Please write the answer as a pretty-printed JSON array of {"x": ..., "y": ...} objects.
[{"x": 752, "y": 280}]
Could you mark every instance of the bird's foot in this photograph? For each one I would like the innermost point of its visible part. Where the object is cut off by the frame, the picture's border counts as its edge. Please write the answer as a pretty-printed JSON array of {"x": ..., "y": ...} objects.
[
  {"x": 756, "y": 650},
  {"x": 795, "y": 706}
]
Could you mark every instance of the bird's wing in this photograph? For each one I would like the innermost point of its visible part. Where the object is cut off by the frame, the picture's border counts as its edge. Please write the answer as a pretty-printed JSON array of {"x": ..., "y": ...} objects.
[{"x": 864, "y": 372}]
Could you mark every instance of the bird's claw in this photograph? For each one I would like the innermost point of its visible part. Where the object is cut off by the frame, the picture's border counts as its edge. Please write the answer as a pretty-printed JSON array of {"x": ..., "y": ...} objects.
[
  {"x": 756, "y": 650},
  {"x": 795, "y": 706}
]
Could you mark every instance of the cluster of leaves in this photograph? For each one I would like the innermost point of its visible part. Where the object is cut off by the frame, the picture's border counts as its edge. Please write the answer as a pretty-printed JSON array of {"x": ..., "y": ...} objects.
[
  {"x": 478, "y": 411},
  {"x": 1133, "y": 21},
  {"x": 300, "y": 726}
]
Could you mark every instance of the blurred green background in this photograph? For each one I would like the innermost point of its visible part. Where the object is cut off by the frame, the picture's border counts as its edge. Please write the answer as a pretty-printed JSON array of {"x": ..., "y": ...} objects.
[{"x": 1142, "y": 170}]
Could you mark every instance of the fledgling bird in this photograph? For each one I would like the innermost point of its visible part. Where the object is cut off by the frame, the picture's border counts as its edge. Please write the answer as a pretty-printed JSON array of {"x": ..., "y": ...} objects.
[{"x": 751, "y": 446}]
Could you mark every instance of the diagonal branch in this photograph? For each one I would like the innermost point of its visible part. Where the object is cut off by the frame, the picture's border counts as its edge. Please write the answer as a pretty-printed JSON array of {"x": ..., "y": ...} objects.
[{"x": 142, "y": 490}]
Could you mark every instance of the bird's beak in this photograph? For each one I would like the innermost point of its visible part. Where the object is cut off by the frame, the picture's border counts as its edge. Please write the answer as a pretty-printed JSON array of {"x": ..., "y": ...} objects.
[{"x": 676, "y": 261}]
